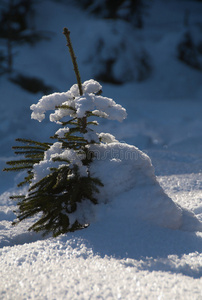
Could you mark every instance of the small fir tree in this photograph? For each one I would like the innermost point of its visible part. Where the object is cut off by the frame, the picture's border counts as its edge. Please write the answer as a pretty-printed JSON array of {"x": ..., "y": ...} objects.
[{"x": 60, "y": 186}]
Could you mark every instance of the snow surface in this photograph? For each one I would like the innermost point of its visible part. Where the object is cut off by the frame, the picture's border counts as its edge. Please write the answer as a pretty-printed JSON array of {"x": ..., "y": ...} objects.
[{"x": 125, "y": 253}]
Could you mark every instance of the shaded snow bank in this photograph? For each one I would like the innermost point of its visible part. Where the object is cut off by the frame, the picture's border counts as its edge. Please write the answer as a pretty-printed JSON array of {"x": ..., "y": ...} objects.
[{"x": 131, "y": 188}]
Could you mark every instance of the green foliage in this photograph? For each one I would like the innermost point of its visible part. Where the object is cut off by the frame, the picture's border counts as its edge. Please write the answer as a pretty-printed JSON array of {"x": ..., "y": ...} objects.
[
  {"x": 33, "y": 153},
  {"x": 55, "y": 197}
]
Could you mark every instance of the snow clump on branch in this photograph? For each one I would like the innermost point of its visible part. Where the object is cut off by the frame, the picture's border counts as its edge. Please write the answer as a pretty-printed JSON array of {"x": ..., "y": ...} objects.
[{"x": 72, "y": 104}]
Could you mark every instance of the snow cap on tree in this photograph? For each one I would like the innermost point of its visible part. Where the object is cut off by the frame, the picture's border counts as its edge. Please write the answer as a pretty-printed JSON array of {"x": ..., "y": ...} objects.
[{"x": 78, "y": 105}]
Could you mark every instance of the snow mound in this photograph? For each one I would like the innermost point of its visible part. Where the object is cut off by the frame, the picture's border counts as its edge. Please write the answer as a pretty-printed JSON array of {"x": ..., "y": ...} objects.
[{"x": 132, "y": 190}]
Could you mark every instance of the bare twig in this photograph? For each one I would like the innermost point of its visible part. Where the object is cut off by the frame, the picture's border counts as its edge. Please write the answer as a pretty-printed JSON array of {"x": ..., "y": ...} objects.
[{"x": 66, "y": 32}]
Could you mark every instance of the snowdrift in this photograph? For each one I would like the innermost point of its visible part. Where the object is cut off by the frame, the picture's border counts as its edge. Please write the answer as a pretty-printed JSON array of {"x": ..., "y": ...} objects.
[{"x": 130, "y": 185}]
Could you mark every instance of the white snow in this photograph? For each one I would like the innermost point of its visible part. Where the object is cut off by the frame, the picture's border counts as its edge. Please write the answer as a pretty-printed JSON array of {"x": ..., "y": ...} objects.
[
  {"x": 130, "y": 250},
  {"x": 48, "y": 103},
  {"x": 78, "y": 105},
  {"x": 43, "y": 168},
  {"x": 61, "y": 132}
]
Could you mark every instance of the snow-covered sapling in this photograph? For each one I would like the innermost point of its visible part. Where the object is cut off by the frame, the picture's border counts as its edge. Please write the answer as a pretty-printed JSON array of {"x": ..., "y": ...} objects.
[{"x": 60, "y": 186}]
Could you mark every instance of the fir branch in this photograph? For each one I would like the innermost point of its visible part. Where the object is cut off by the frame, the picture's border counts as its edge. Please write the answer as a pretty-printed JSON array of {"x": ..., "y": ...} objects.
[
  {"x": 73, "y": 130},
  {"x": 17, "y": 169},
  {"x": 92, "y": 123},
  {"x": 44, "y": 183},
  {"x": 30, "y": 148},
  {"x": 64, "y": 106},
  {"x": 70, "y": 122},
  {"x": 17, "y": 197},
  {"x": 28, "y": 141},
  {"x": 31, "y": 154},
  {"x": 27, "y": 179},
  {"x": 22, "y": 162},
  {"x": 60, "y": 159},
  {"x": 74, "y": 138}
]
